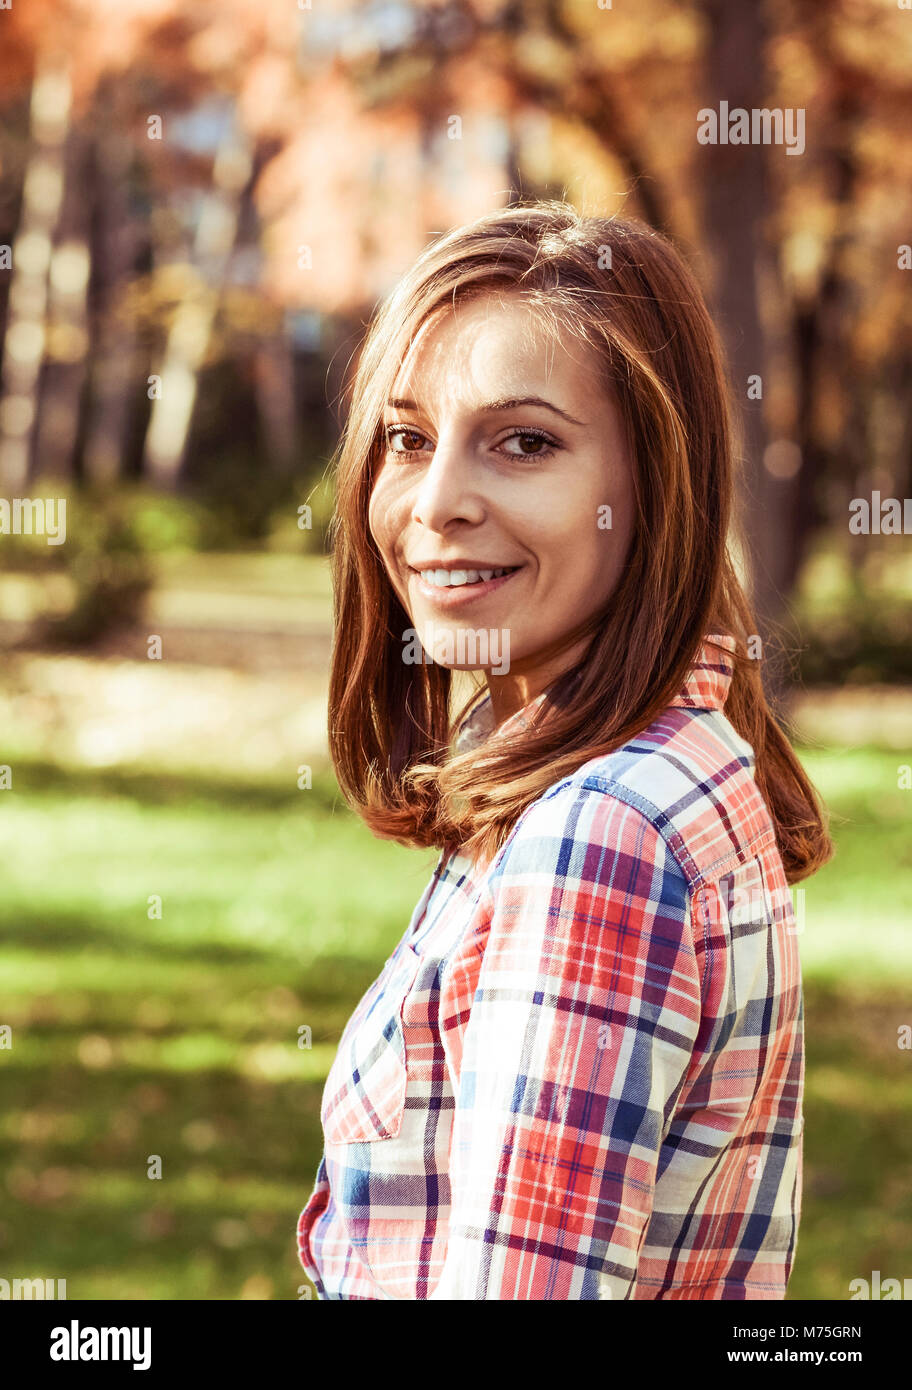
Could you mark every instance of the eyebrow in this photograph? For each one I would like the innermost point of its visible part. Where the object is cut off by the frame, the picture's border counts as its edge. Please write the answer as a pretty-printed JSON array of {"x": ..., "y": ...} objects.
[{"x": 504, "y": 403}]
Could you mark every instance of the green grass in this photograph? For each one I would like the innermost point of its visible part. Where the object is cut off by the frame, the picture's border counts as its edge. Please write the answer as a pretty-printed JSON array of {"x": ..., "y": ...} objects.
[
  {"x": 138, "y": 1035},
  {"x": 856, "y": 951},
  {"x": 857, "y": 911},
  {"x": 177, "y": 1036},
  {"x": 234, "y": 589}
]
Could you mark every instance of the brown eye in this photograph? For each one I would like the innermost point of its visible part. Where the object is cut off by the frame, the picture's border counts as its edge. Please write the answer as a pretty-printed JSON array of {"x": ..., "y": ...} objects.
[
  {"x": 528, "y": 444},
  {"x": 410, "y": 440}
]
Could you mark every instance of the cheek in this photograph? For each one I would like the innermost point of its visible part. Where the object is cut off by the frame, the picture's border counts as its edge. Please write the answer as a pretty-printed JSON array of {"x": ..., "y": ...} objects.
[
  {"x": 386, "y": 525},
  {"x": 380, "y": 513},
  {"x": 389, "y": 506},
  {"x": 374, "y": 519},
  {"x": 585, "y": 543}
]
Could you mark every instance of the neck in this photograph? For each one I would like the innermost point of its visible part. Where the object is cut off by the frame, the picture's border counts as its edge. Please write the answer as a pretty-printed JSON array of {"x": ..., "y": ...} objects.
[{"x": 526, "y": 680}]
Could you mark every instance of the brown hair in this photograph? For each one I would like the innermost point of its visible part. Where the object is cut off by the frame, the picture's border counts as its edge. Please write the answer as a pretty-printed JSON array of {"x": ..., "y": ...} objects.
[{"x": 622, "y": 289}]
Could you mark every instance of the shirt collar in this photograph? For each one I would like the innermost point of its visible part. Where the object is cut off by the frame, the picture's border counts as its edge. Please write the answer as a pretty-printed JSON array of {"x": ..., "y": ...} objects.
[
  {"x": 707, "y": 682},
  {"x": 705, "y": 686}
]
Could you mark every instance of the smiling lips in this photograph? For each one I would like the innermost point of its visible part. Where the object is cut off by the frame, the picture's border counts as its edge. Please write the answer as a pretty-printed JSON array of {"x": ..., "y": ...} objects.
[
  {"x": 456, "y": 578},
  {"x": 464, "y": 584}
]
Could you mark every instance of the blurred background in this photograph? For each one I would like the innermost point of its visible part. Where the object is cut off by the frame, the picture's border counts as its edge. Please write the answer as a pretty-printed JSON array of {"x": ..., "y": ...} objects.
[{"x": 199, "y": 207}]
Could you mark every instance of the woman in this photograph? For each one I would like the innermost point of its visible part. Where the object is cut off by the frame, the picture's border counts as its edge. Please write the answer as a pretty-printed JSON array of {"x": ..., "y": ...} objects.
[{"x": 580, "y": 1073}]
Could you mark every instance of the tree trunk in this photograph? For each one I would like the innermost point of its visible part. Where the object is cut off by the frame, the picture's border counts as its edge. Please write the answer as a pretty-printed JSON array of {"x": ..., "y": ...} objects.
[
  {"x": 114, "y": 367},
  {"x": 275, "y": 394},
  {"x": 735, "y": 201},
  {"x": 64, "y": 375},
  {"x": 26, "y": 328},
  {"x": 191, "y": 327}
]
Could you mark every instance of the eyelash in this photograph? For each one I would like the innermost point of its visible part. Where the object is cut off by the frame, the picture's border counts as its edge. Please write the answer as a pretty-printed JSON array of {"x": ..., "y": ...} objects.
[{"x": 391, "y": 430}]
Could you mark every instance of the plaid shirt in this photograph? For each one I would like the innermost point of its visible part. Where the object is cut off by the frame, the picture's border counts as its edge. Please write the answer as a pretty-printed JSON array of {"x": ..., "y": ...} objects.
[{"x": 580, "y": 1073}]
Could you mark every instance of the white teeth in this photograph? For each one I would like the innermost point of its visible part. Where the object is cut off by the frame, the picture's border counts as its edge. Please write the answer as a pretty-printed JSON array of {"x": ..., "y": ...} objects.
[{"x": 452, "y": 579}]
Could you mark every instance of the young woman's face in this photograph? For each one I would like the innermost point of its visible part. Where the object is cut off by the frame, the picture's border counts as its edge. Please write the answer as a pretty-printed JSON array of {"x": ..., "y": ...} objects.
[{"x": 503, "y": 453}]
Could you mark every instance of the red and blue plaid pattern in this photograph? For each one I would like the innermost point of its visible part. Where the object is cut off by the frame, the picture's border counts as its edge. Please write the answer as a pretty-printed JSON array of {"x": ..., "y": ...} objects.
[{"x": 580, "y": 1073}]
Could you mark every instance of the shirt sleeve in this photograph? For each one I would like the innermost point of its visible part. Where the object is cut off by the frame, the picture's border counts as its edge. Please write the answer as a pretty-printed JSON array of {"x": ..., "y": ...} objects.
[{"x": 573, "y": 1011}]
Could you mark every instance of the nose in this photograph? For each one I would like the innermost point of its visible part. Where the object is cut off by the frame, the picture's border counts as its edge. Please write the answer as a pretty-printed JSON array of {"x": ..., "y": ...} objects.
[{"x": 448, "y": 491}]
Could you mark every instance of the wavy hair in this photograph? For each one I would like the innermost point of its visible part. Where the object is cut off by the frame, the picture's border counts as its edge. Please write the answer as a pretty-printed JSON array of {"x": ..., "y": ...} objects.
[{"x": 622, "y": 290}]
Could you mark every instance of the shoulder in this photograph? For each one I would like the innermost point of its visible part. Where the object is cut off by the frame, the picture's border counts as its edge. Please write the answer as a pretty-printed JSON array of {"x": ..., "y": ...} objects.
[
  {"x": 588, "y": 884},
  {"x": 679, "y": 798},
  {"x": 578, "y": 848}
]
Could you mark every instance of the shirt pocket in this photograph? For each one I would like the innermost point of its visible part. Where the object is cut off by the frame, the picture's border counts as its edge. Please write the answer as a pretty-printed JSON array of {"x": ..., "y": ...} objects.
[
  {"x": 744, "y": 895},
  {"x": 364, "y": 1095}
]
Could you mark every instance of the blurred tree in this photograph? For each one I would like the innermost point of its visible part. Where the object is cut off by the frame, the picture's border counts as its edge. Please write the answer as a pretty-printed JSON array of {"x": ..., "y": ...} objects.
[
  {"x": 191, "y": 325},
  {"x": 26, "y": 335},
  {"x": 792, "y": 268},
  {"x": 349, "y": 133},
  {"x": 120, "y": 250}
]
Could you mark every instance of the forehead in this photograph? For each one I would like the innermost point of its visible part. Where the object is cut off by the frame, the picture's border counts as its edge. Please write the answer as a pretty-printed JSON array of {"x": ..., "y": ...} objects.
[{"x": 462, "y": 350}]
